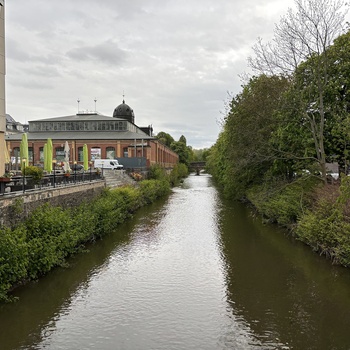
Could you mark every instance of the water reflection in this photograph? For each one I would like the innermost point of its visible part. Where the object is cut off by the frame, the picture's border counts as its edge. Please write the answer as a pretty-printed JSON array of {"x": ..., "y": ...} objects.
[
  {"x": 290, "y": 297},
  {"x": 190, "y": 272}
]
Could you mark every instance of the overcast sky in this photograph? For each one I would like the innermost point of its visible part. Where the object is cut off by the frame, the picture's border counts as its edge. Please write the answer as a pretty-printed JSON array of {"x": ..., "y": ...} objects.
[{"x": 175, "y": 60}]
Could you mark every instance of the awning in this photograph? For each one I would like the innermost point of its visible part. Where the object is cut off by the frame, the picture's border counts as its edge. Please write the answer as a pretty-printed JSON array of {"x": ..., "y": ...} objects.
[{"x": 6, "y": 152}]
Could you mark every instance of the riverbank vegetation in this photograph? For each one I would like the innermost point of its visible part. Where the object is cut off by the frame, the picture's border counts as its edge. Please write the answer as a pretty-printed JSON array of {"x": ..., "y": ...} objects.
[
  {"x": 51, "y": 234},
  {"x": 289, "y": 126}
]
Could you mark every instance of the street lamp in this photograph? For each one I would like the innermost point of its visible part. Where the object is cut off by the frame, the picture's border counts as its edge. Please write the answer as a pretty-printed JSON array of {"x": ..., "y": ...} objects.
[
  {"x": 23, "y": 173},
  {"x": 75, "y": 171},
  {"x": 54, "y": 172}
]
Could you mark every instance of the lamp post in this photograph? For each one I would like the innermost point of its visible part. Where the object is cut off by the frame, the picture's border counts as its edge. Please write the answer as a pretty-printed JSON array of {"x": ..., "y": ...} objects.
[
  {"x": 90, "y": 163},
  {"x": 54, "y": 172},
  {"x": 24, "y": 173},
  {"x": 75, "y": 171}
]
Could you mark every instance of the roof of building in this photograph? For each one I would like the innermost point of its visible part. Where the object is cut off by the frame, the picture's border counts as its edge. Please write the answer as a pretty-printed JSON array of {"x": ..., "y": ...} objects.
[
  {"x": 81, "y": 116},
  {"x": 82, "y": 135},
  {"x": 123, "y": 111},
  {"x": 9, "y": 119}
]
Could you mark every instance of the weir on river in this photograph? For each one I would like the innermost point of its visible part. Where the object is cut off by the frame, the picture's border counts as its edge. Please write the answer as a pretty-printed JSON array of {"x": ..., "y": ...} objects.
[{"x": 192, "y": 271}]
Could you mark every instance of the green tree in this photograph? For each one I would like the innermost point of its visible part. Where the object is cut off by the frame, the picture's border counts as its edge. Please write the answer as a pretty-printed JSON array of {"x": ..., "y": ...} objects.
[
  {"x": 165, "y": 138},
  {"x": 183, "y": 139},
  {"x": 337, "y": 100},
  {"x": 184, "y": 152},
  {"x": 200, "y": 154},
  {"x": 299, "y": 50}
]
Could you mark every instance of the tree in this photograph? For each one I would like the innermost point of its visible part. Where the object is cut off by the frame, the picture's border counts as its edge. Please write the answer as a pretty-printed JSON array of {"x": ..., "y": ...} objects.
[
  {"x": 183, "y": 139},
  {"x": 184, "y": 152},
  {"x": 303, "y": 37},
  {"x": 246, "y": 139},
  {"x": 165, "y": 138},
  {"x": 200, "y": 154},
  {"x": 337, "y": 98}
]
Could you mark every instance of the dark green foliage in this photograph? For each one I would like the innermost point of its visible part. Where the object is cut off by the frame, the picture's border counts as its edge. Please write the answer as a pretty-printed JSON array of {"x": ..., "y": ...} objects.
[
  {"x": 35, "y": 172},
  {"x": 156, "y": 172},
  {"x": 326, "y": 227},
  {"x": 113, "y": 208},
  {"x": 244, "y": 152},
  {"x": 284, "y": 202},
  {"x": 13, "y": 258},
  {"x": 184, "y": 152},
  {"x": 178, "y": 172},
  {"x": 49, "y": 238},
  {"x": 51, "y": 234},
  {"x": 153, "y": 189},
  {"x": 165, "y": 138},
  {"x": 200, "y": 154}
]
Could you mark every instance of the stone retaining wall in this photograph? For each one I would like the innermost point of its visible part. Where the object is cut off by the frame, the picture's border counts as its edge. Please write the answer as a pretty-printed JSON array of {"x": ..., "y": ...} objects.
[{"x": 15, "y": 208}]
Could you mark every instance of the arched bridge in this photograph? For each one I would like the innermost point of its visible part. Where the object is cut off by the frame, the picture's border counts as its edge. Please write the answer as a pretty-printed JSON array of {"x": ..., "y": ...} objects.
[{"x": 197, "y": 167}]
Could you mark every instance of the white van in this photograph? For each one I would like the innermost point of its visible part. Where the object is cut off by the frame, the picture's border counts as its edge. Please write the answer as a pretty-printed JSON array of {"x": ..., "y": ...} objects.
[{"x": 107, "y": 164}]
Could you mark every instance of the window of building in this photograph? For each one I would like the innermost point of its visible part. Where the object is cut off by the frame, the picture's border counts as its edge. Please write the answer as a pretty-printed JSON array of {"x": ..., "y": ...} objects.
[
  {"x": 80, "y": 154},
  {"x": 30, "y": 155},
  {"x": 96, "y": 153},
  {"x": 125, "y": 152},
  {"x": 110, "y": 153},
  {"x": 41, "y": 154},
  {"x": 15, "y": 158},
  {"x": 59, "y": 154}
]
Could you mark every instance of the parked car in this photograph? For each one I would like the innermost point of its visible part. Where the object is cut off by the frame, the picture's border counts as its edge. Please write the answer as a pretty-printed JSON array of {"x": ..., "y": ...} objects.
[
  {"x": 77, "y": 167},
  {"x": 107, "y": 164}
]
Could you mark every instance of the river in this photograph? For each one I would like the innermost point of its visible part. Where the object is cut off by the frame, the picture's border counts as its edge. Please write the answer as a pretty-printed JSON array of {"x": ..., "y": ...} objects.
[{"x": 192, "y": 271}]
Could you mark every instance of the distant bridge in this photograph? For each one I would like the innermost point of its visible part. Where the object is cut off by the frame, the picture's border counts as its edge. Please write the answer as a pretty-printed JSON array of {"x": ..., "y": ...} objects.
[{"x": 197, "y": 167}]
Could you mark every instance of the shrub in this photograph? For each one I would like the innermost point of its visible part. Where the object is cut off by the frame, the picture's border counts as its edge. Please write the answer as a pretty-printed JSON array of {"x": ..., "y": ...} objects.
[
  {"x": 156, "y": 172},
  {"x": 50, "y": 233},
  {"x": 326, "y": 227},
  {"x": 49, "y": 238},
  {"x": 283, "y": 202},
  {"x": 13, "y": 258},
  {"x": 153, "y": 189},
  {"x": 35, "y": 172}
]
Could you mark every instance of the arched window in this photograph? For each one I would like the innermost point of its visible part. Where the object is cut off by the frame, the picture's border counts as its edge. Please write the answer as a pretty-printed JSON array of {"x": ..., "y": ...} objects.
[
  {"x": 110, "y": 153},
  {"x": 96, "y": 153}
]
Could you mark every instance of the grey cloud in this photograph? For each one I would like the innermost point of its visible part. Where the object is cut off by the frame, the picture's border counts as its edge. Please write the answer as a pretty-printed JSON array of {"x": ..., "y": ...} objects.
[
  {"x": 107, "y": 52},
  {"x": 175, "y": 60}
]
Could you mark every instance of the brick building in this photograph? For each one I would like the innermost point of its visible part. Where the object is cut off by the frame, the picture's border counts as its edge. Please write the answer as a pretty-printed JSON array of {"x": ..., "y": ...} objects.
[{"x": 116, "y": 137}]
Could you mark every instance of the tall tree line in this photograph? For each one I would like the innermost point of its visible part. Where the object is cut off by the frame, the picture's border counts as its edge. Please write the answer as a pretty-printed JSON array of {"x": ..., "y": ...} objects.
[{"x": 294, "y": 114}]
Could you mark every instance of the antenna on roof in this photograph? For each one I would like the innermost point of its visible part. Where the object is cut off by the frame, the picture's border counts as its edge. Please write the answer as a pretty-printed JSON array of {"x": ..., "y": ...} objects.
[
  {"x": 95, "y": 103},
  {"x": 78, "y": 100}
]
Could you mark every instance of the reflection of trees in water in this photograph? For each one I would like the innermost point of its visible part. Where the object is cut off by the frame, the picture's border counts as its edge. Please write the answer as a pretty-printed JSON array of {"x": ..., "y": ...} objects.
[
  {"x": 32, "y": 318},
  {"x": 280, "y": 287}
]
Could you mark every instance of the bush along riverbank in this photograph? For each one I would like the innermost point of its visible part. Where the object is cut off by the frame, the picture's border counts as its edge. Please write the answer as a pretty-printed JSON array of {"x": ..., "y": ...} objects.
[
  {"x": 316, "y": 214},
  {"x": 51, "y": 234}
]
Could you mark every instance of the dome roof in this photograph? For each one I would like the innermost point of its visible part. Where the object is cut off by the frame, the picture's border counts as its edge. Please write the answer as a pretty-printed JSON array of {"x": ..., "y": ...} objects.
[{"x": 125, "y": 112}]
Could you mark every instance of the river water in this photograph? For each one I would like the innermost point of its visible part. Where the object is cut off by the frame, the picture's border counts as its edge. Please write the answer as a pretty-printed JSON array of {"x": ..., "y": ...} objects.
[{"x": 192, "y": 271}]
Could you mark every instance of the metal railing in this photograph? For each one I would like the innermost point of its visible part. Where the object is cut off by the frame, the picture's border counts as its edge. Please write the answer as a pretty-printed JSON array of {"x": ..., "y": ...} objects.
[{"x": 20, "y": 183}]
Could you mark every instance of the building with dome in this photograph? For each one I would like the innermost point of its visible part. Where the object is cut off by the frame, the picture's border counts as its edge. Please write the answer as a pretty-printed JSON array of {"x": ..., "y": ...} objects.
[
  {"x": 116, "y": 137},
  {"x": 125, "y": 112}
]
